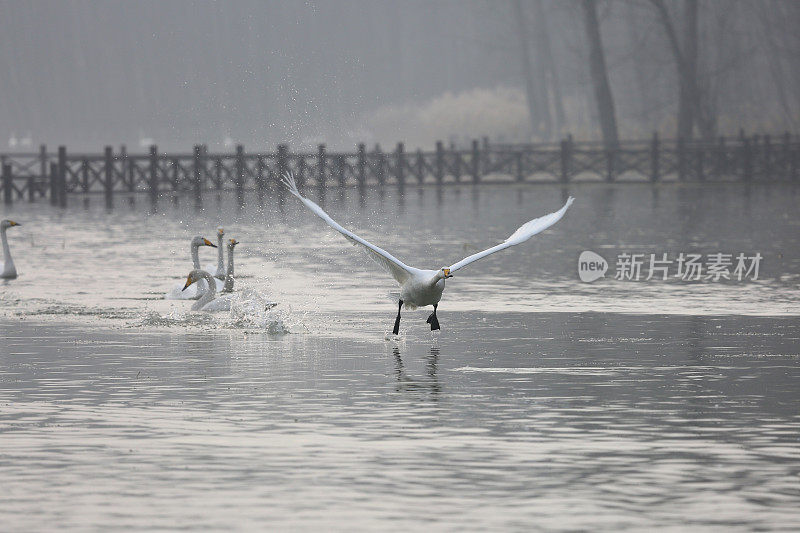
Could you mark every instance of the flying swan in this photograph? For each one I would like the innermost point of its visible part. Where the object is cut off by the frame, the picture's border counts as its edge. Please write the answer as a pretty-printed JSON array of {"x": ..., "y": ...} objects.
[
  {"x": 7, "y": 268},
  {"x": 418, "y": 287}
]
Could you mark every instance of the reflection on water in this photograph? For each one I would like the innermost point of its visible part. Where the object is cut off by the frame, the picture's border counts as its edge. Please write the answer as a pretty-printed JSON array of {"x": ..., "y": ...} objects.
[{"x": 520, "y": 421}]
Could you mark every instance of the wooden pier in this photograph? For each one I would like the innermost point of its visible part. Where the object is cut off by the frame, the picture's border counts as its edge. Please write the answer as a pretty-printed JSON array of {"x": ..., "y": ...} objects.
[{"x": 55, "y": 175}]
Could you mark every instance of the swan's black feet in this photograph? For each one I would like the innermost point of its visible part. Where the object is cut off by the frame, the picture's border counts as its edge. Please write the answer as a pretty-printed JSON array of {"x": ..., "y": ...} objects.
[
  {"x": 396, "y": 329},
  {"x": 433, "y": 321}
]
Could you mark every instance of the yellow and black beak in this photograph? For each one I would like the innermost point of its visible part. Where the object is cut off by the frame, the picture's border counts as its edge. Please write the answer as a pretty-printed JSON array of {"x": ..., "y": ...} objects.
[
  {"x": 234, "y": 242},
  {"x": 189, "y": 281},
  {"x": 447, "y": 273},
  {"x": 220, "y": 231},
  {"x": 11, "y": 223},
  {"x": 209, "y": 243}
]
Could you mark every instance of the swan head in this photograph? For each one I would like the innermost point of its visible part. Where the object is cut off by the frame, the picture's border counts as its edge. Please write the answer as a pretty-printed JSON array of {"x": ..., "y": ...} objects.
[
  {"x": 232, "y": 243},
  {"x": 443, "y": 274},
  {"x": 201, "y": 241},
  {"x": 220, "y": 231},
  {"x": 8, "y": 223},
  {"x": 194, "y": 277}
]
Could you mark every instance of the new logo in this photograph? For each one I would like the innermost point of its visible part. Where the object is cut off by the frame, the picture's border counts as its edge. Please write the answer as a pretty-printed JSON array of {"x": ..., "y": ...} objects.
[{"x": 591, "y": 266}]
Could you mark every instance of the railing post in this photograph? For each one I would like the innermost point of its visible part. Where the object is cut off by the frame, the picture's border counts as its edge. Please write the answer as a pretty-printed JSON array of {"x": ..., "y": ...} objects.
[
  {"x": 747, "y": 160},
  {"x": 566, "y": 159},
  {"x": 721, "y": 167},
  {"x": 126, "y": 175},
  {"x": 260, "y": 174},
  {"x": 321, "y": 163},
  {"x": 519, "y": 170},
  {"x": 42, "y": 169},
  {"x": 340, "y": 175},
  {"x": 786, "y": 159},
  {"x": 7, "y": 184},
  {"x": 439, "y": 169},
  {"x": 197, "y": 181},
  {"x": 239, "y": 170},
  {"x": 400, "y": 168},
  {"x": 108, "y": 182},
  {"x": 379, "y": 172},
  {"x": 611, "y": 153},
  {"x": 283, "y": 166},
  {"x": 31, "y": 187},
  {"x": 62, "y": 176},
  {"x": 476, "y": 161},
  {"x": 768, "y": 169},
  {"x": 456, "y": 162},
  {"x": 53, "y": 184},
  {"x": 681, "y": 160},
  {"x": 152, "y": 184},
  {"x": 699, "y": 160},
  {"x": 655, "y": 169},
  {"x": 362, "y": 165}
]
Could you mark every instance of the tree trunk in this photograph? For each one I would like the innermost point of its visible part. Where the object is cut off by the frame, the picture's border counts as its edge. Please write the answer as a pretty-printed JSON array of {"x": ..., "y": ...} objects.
[
  {"x": 599, "y": 72},
  {"x": 549, "y": 67},
  {"x": 687, "y": 67},
  {"x": 538, "y": 112}
]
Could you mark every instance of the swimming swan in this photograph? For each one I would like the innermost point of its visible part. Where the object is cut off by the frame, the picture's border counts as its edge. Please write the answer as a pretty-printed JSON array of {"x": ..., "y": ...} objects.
[
  {"x": 209, "y": 302},
  {"x": 176, "y": 293},
  {"x": 7, "y": 268},
  {"x": 418, "y": 287}
]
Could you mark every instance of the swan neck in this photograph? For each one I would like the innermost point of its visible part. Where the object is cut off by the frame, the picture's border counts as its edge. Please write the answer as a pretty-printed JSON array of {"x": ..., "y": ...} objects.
[
  {"x": 209, "y": 293},
  {"x": 8, "y": 264},
  {"x": 220, "y": 256},
  {"x": 195, "y": 256},
  {"x": 229, "y": 274}
]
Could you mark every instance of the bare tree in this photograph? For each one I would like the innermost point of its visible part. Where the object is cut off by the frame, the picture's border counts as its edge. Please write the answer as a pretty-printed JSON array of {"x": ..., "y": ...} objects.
[
  {"x": 535, "y": 89},
  {"x": 599, "y": 73},
  {"x": 692, "y": 109}
]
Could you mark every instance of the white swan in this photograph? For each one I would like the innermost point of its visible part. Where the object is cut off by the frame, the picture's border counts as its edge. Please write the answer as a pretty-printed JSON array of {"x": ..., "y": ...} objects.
[
  {"x": 228, "y": 286},
  {"x": 209, "y": 302},
  {"x": 177, "y": 292},
  {"x": 7, "y": 268},
  {"x": 219, "y": 269},
  {"x": 418, "y": 287}
]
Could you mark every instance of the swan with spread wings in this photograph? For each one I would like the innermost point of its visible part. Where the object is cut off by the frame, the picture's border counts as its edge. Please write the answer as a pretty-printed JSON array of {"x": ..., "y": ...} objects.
[{"x": 418, "y": 287}]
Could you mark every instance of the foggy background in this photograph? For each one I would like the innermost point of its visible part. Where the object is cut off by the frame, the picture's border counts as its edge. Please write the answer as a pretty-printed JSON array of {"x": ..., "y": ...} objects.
[{"x": 175, "y": 73}]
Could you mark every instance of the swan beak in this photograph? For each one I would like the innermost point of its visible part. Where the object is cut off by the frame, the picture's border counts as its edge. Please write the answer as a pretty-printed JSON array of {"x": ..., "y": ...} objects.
[
  {"x": 234, "y": 242},
  {"x": 12, "y": 223},
  {"x": 209, "y": 243},
  {"x": 220, "y": 232},
  {"x": 189, "y": 281},
  {"x": 447, "y": 273}
]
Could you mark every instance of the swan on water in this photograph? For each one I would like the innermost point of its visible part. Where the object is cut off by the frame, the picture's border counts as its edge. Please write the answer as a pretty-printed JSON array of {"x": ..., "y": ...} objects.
[
  {"x": 7, "y": 268},
  {"x": 419, "y": 287},
  {"x": 219, "y": 269},
  {"x": 228, "y": 286},
  {"x": 176, "y": 293},
  {"x": 209, "y": 302}
]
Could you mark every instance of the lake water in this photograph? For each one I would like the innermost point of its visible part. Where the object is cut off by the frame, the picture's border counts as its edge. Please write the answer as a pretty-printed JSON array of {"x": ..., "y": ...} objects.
[{"x": 543, "y": 403}]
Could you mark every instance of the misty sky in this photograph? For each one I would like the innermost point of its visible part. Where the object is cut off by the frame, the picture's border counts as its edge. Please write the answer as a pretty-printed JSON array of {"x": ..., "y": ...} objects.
[{"x": 90, "y": 73}]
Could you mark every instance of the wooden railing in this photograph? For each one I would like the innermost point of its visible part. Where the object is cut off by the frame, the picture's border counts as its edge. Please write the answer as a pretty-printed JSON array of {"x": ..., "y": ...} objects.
[{"x": 55, "y": 175}]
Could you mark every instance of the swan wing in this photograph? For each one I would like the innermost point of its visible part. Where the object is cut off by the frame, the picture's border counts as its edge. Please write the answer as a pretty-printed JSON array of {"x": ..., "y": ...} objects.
[
  {"x": 523, "y": 233},
  {"x": 399, "y": 270}
]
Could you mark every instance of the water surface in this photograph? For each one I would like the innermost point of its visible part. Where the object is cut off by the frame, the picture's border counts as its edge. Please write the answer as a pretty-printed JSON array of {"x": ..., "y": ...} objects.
[{"x": 544, "y": 403}]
